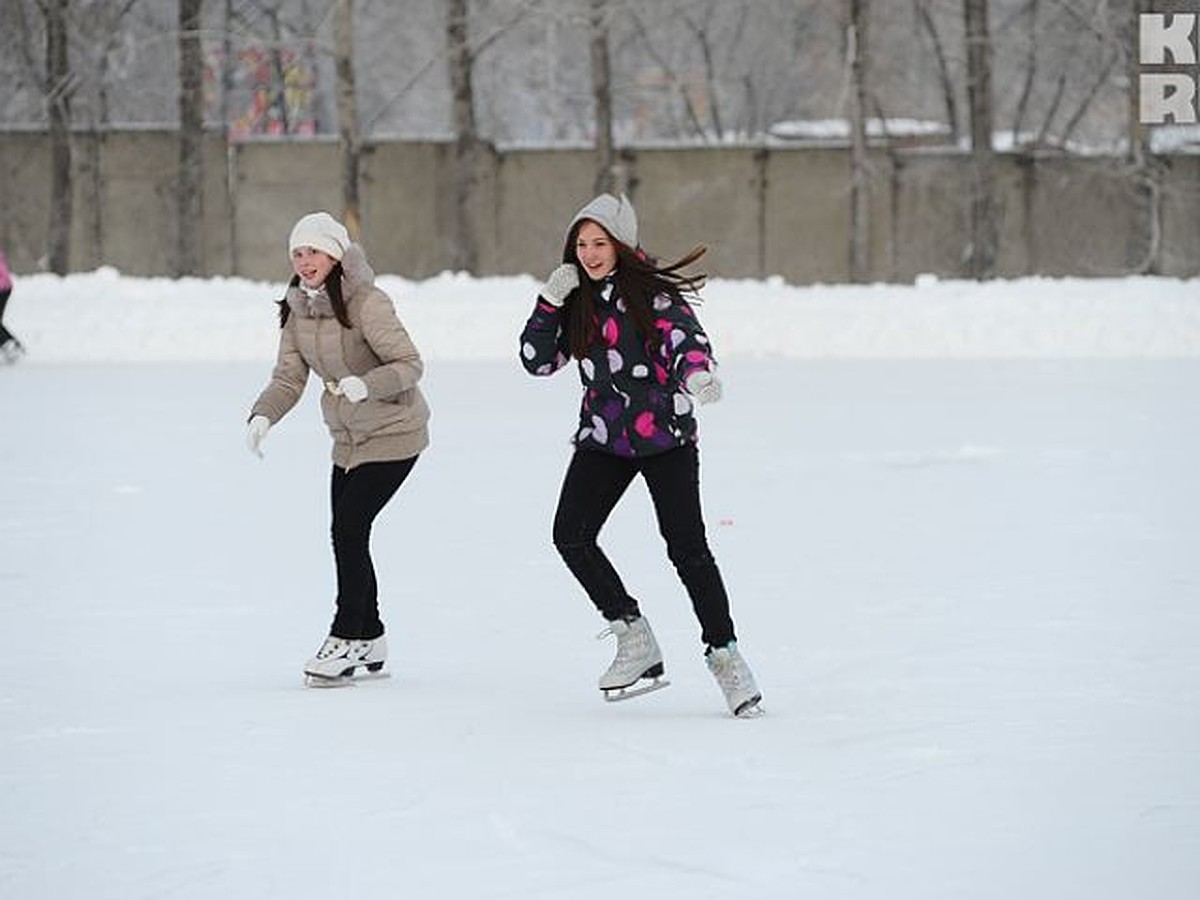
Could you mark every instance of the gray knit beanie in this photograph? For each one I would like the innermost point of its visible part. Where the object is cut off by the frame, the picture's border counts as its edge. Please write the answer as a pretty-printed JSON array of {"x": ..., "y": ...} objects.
[{"x": 616, "y": 216}]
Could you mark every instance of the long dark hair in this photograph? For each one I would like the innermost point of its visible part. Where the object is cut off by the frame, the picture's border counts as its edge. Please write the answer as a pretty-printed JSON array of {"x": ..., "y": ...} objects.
[
  {"x": 333, "y": 287},
  {"x": 638, "y": 279}
]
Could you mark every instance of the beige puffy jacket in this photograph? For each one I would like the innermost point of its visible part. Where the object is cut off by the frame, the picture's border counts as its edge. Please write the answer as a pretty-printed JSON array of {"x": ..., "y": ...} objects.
[{"x": 392, "y": 423}]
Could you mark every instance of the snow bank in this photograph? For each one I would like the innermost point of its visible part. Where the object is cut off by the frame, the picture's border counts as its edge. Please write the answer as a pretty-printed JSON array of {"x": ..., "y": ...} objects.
[{"x": 103, "y": 316}]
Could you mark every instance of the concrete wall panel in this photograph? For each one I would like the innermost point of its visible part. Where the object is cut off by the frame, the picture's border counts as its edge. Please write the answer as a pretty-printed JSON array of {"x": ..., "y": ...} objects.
[{"x": 761, "y": 211}]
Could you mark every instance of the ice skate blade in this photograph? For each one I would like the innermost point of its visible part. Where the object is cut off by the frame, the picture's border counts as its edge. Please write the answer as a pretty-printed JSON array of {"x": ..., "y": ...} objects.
[
  {"x": 751, "y": 709},
  {"x": 337, "y": 681},
  {"x": 644, "y": 686}
]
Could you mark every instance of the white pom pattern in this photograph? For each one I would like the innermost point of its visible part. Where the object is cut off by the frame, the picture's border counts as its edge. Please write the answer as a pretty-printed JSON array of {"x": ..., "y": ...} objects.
[{"x": 598, "y": 432}]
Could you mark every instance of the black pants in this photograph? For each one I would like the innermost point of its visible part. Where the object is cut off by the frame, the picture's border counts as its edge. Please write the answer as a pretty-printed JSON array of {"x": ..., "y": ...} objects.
[
  {"x": 5, "y": 334},
  {"x": 356, "y": 497},
  {"x": 594, "y": 482}
]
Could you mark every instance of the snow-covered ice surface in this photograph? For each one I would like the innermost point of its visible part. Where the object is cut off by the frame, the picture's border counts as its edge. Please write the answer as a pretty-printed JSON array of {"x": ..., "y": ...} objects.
[{"x": 958, "y": 523}]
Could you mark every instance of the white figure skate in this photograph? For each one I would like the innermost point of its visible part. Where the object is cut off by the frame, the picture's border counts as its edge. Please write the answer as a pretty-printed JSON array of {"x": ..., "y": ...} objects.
[
  {"x": 638, "y": 666},
  {"x": 11, "y": 351},
  {"x": 339, "y": 658},
  {"x": 735, "y": 680}
]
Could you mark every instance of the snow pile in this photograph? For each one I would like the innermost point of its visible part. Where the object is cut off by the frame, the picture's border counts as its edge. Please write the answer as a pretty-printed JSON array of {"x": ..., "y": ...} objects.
[{"x": 103, "y": 316}]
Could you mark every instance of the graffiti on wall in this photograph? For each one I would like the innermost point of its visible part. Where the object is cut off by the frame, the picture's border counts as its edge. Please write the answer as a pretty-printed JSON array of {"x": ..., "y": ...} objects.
[{"x": 272, "y": 91}]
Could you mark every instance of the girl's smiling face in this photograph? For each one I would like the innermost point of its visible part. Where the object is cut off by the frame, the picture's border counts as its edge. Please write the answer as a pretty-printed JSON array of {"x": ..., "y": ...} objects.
[
  {"x": 312, "y": 265},
  {"x": 595, "y": 250}
]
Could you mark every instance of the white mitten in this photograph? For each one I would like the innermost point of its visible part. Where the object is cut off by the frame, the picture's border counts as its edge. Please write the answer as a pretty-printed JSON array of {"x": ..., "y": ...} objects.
[
  {"x": 704, "y": 386},
  {"x": 256, "y": 433},
  {"x": 352, "y": 388},
  {"x": 559, "y": 283}
]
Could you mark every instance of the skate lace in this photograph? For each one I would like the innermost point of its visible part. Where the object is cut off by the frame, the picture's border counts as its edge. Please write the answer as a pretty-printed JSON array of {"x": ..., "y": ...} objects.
[
  {"x": 331, "y": 647},
  {"x": 631, "y": 642},
  {"x": 728, "y": 672}
]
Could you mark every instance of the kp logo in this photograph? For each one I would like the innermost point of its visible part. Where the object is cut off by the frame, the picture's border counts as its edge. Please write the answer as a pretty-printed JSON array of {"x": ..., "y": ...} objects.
[{"x": 1167, "y": 95}]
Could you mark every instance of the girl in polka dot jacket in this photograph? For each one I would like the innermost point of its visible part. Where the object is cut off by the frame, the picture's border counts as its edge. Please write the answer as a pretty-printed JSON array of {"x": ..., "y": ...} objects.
[{"x": 644, "y": 361}]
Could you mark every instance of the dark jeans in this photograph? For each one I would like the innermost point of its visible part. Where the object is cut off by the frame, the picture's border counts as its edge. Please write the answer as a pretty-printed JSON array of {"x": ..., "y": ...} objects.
[
  {"x": 356, "y": 498},
  {"x": 5, "y": 334},
  {"x": 594, "y": 482}
]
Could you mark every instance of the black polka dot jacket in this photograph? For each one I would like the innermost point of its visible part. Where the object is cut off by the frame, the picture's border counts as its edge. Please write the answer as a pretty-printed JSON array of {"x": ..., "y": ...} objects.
[{"x": 634, "y": 402}]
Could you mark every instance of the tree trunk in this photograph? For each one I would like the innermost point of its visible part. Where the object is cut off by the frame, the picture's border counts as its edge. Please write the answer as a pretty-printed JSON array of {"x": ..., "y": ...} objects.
[
  {"x": 1031, "y": 72},
  {"x": 227, "y": 74},
  {"x": 702, "y": 31},
  {"x": 606, "y": 160},
  {"x": 277, "y": 68},
  {"x": 944, "y": 78},
  {"x": 465, "y": 254},
  {"x": 347, "y": 103},
  {"x": 1144, "y": 171},
  {"x": 860, "y": 176},
  {"x": 981, "y": 254},
  {"x": 710, "y": 86},
  {"x": 58, "y": 102},
  {"x": 1136, "y": 149},
  {"x": 189, "y": 248}
]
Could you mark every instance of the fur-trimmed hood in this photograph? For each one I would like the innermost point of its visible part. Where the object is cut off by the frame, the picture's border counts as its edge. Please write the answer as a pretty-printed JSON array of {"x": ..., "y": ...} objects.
[{"x": 357, "y": 275}]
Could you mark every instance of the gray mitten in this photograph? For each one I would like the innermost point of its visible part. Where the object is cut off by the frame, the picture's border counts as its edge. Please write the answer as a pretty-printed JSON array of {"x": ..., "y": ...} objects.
[
  {"x": 704, "y": 386},
  {"x": 560, "y": 282}
]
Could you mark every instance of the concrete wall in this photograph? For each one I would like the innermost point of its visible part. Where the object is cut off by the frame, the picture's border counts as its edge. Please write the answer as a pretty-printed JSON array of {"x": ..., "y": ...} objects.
[{"x": 777, "y": 211}]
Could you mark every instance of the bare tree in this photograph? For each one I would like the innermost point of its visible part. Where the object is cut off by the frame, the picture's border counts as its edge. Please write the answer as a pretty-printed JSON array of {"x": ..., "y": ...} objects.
[
  {"x": 347, "y": 104},
  {"x": 231, "y": 193},
  {"x": 1031, "y": 68},
  {"x": 982, "y": 250},
  {"x": 106, "y": 28},
  {"x": 467, "y": 149},
  {"x": 943, "y": 66},
  {"x": 676, "y": 83},
  {"x": 58, "y": 87},
  {"x": 860, "y": 175},
  {"x": 660, "y": 33},
  {"x": 1093, "y": 91},
  {"x": 688, "y": 68},
  {"x": 1143, "y": 170},
  {"x": 602, "y": 96},
  {"x": 1067, "y": 54},
  {"x": 278, "y": 67},
  {"x": 1137, "y": 143},
  {"x": 189, "y": 246},
  {"x": 276, "y": 41},
  {"x": 702, "y": 30},
  {"x": 471, "y": 151}
]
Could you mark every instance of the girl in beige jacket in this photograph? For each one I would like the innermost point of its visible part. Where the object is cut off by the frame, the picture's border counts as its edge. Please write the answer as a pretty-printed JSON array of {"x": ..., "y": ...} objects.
[{"x": 337, "y": 323}]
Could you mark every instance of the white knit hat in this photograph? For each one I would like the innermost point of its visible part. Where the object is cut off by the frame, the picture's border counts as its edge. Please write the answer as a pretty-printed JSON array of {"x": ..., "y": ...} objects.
[
  {"x": 615, "y": 215},
  {"x": 320, "y": 231}
]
